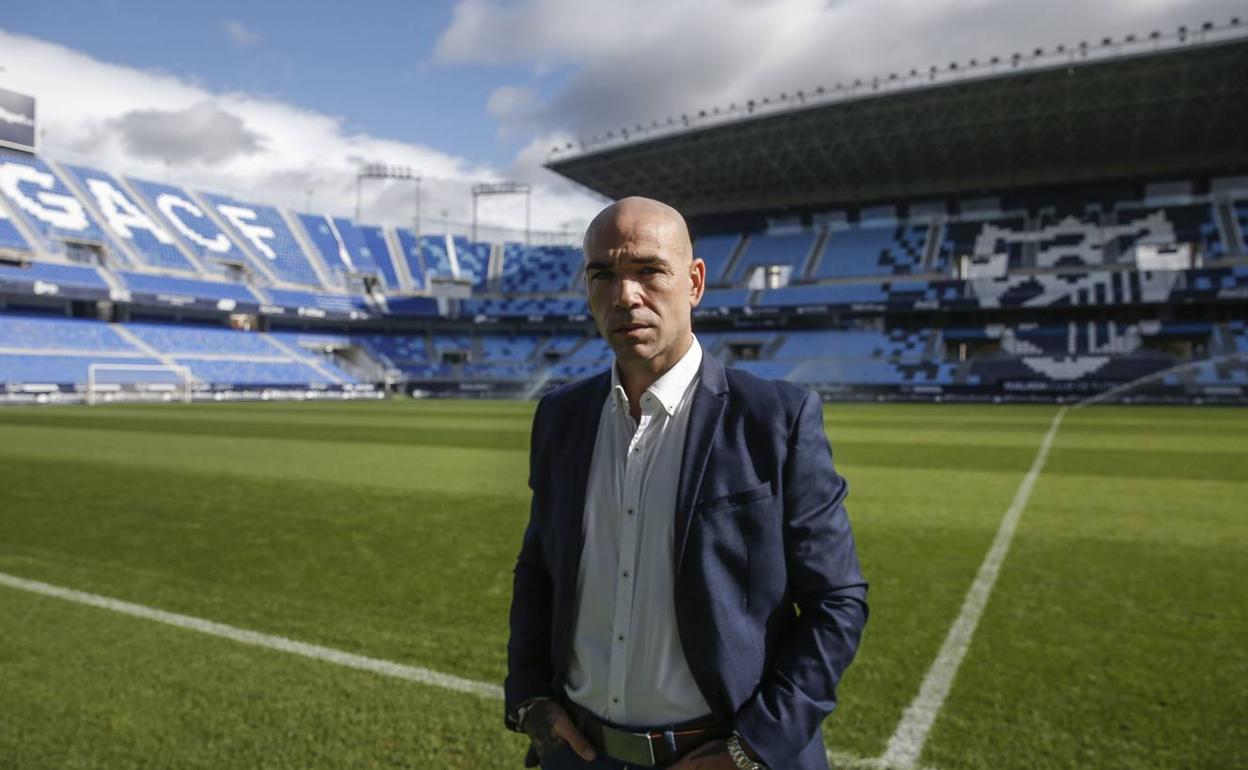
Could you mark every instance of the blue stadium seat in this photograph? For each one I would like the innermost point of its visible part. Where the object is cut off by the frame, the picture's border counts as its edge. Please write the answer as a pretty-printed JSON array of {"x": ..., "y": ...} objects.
[
  {"x": 529, "y": 269},
  {"x": 129, "y": 222},
  {"x": 715, "y": 251},
  {"x": 1167, "y": 225},
  {"x": 190, "y": 224},
  {"x": 61, "y": 334},
  {"x": 412, "y": 257},
  {"x": 215, "y": 340},
  {"x": 264, "y": 230},
  {"x": 54, "y": 369},
  {"x": 474, "y": 261},
  {"x": 260, "y": 373},
  {"x": 774, "y": 249},
  {"x": 412, "y": 306},
  {"x": 981, "y": 238},
  {"x": 824, "y": 294},
  {"x": 345, "y": 249},
  {"x": 873, "y": 251},
  {"x": 39, "y": 196},
  {"x": 55, "y": 273},
  {"x": 344, "y": 304},
  {"x": 521, "y": 307},
  {"x": 10, "y": 237},
  {"x": 509, "y": 347},
  {"x": 373, "y": 247},
  {"x": 209, "y": 290}
]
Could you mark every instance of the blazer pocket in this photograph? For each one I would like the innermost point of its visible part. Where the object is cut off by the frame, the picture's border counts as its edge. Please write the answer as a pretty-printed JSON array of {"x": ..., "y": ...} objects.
[{"x": 736, "y": 499}]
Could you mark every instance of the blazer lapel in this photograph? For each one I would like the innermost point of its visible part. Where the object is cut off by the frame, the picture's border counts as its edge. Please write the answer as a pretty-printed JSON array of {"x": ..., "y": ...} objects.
[
  {"x": 583, "y": 437},
  {"x": 709, "y": 401}
]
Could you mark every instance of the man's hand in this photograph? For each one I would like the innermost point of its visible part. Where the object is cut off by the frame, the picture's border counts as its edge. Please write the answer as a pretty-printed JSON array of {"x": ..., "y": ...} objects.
[
  {"x": 548, "y": 726},
  {"x": 712, "y": 755}
]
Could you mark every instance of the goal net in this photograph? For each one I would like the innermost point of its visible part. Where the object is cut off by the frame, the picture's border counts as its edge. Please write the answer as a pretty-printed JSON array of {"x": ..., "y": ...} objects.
[{"x": 107, "y": 383}]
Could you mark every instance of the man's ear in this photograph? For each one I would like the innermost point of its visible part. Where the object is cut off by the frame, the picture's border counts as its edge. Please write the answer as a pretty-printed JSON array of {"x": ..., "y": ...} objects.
[{"x": 697, "y": 281}]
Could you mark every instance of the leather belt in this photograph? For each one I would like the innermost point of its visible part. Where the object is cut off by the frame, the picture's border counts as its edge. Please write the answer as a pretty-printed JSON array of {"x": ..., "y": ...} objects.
[{"x": 646, "y": 749}]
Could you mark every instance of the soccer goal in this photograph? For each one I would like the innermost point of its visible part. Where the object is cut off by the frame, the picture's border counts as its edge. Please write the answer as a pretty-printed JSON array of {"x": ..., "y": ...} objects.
[{"x": 138, "y": 382}]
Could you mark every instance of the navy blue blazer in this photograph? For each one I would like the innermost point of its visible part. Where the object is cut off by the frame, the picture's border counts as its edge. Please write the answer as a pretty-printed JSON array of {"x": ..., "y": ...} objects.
[{"x": 770, "y": 600}]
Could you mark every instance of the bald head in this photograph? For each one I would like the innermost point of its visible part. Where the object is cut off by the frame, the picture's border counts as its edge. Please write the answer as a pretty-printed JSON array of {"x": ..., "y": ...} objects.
[
  {"x": 637, "y": 218},
  {"x": 642, "y": 282}
]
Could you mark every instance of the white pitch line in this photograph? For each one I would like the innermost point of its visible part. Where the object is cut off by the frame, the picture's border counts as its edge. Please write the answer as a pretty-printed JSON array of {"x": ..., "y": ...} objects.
[
  {"x": 257, "y": 639},
  {"x": 314, "y": 651},
  {"x": 907, "y": 742}
]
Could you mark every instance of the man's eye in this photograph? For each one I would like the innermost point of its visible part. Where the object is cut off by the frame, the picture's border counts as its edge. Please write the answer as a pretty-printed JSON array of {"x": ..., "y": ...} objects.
[{"x": 603, "y": 274}]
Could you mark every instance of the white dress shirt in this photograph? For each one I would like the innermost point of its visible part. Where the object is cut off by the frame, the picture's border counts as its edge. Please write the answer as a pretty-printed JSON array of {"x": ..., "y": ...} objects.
[{"x": 627, "y": 664}]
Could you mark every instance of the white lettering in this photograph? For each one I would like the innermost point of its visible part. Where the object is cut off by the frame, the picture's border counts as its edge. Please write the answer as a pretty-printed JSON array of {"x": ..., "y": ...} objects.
[
  {"x": 122, "y": 214},
  {"x": 242, "y": 219},
  {"x": 63, "y": 211},
  {"x": 168, "y": 204}
]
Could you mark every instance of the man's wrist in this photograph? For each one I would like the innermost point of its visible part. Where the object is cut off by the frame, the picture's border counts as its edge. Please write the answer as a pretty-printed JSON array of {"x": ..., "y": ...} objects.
[
  {"x": 742, "y": 758},
  {"x": 523, "y": 710}
]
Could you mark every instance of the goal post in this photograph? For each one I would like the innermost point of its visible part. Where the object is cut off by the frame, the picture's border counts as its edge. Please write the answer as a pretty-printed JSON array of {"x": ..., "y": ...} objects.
[{"x": 138, "y": 382}]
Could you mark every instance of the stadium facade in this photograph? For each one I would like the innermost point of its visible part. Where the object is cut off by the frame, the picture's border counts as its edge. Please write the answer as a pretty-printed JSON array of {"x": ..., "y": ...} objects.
[{"x": 1040, "y": 227}]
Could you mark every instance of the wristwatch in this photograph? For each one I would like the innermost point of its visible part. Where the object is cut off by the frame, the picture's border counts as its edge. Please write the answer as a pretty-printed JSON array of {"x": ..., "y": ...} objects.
[
  {"x": 523, "y": 709},
  {"x": 739, "y": 757}
]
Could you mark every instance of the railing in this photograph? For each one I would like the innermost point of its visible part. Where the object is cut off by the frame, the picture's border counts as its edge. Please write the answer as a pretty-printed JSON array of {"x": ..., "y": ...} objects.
[{"x": 1061, "y": 56}]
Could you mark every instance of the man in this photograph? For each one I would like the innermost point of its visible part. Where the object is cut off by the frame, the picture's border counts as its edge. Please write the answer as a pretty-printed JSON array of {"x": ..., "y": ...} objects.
[{"x": 687, "y": 594}]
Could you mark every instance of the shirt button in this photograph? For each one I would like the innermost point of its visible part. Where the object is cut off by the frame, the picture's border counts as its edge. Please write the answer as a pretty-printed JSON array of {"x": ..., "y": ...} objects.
[
  {"x": 615, "y": 700},
  {"x": 630, "y": 511},
  {"x": 625, "y": 573},
  {"x": 620, "y": 637}
]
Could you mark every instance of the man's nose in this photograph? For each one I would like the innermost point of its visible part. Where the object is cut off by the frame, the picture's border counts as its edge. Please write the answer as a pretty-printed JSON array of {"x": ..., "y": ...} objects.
[{"x": 627, "y": 292}]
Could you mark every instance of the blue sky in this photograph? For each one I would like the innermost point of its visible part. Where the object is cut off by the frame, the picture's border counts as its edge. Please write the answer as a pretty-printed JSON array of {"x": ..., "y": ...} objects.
[
  {"x": 371, "y": 63},
  {"x": 283, "y": 102}
]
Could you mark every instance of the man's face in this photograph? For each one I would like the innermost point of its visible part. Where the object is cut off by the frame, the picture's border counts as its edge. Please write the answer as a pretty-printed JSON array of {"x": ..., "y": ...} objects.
[{"x": 642, "y": 285}]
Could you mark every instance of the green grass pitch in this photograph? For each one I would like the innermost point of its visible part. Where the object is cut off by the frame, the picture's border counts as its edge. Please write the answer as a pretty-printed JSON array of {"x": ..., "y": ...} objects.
[{"x": 1116, "y": 636}]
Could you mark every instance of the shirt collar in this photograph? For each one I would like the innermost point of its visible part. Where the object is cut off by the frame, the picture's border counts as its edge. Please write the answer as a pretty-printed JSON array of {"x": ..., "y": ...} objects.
[{"x": 670, "y": 388}]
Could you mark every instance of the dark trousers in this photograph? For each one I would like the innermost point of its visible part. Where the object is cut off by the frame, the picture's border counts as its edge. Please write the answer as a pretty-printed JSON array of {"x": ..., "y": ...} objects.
[{"x": 564, "y": 758}]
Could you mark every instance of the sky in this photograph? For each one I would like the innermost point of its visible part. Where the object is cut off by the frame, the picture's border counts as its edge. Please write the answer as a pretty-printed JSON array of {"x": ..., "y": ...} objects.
[{"x": 282, "y": 102}]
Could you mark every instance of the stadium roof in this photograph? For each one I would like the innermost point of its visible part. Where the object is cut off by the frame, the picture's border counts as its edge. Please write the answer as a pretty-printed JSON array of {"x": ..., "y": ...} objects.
[{"x": 1136, "y": 110}]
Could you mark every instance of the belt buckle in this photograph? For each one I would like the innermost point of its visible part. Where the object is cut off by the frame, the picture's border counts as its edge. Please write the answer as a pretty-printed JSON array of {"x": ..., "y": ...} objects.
[{"x": 630, "y": 748}]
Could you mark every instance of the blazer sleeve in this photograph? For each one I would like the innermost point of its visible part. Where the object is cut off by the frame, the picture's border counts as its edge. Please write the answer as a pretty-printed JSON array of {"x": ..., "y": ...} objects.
[
  {"x": 826, "y": 583},
  {"x": 529, "y": 670}
]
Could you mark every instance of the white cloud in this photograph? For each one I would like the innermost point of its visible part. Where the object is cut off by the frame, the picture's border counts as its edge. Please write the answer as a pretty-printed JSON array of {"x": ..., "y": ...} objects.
[
  {"x": 240, "y": 34},
  {"x": 644, "y": 60},
  {"x": 158, "y": 126}
]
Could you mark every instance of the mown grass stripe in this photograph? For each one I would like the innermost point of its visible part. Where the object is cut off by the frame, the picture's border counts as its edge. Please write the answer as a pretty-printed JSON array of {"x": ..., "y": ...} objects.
[
  {"x": 907, "y": 742},
  {"x": 257, "y": 639}
]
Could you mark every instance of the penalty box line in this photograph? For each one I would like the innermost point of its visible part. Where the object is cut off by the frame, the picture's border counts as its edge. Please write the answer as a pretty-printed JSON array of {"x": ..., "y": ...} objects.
[{"x": 906, "y": 744}]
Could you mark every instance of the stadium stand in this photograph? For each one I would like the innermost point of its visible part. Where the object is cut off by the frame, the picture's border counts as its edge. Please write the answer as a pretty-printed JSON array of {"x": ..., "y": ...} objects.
[
  {"x": 54, "y": 274},
  {"x": 322, "y": 301},
  {"x": 128, "y": 222},
  {"x": 531, "y": 269},
  {"x": 873, "y": 251},
  {"x": 786, "y": 249},
  {"x": 41, "y": 199},
  {"x": 410, "y": 247},
  {"x": 10, "y": 237},
  {"x": 373, "y": 248},
  {"x": 199, "y": 289},
  {"x": 266, "y": 234},
  {"x": 188, "y": 222},
  {"x": 474, "y": 261},
  {"x": 1046, "y": 289},
  {"x": 716, "y": 251}
]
